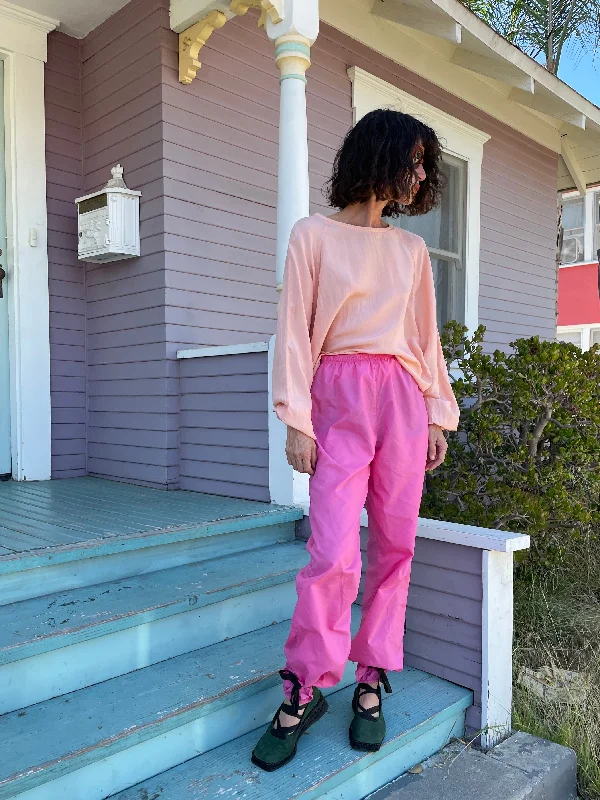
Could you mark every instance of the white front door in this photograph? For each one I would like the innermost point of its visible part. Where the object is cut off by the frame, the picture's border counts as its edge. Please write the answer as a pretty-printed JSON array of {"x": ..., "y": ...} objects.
[{"x": 5, "y": 459}]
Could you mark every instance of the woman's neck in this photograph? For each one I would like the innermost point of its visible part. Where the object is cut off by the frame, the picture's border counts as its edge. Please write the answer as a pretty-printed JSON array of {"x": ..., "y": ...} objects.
[{"x": 365, "y": 215}]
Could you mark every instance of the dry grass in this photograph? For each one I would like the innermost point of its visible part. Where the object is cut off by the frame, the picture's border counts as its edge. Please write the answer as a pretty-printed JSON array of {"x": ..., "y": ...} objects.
[{"x": 557, "y": 623}]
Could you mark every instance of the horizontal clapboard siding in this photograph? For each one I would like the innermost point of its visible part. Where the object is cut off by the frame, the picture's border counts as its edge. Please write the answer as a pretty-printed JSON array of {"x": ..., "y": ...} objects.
[
  {"x": 220, "y": 182},
  {"x": 66, "y": 274},
  {"x": 224, "y": 439},
  {"x": 220, "y": 150},
  {"x": 443, "y": 633},
  {"x": 443, "y": 614},
  {"x": 132, "y": 387}
]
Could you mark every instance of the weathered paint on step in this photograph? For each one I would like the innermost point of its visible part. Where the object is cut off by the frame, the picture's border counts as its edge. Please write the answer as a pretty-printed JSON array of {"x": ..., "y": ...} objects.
[
  {"x": 51, "y": 522},
  {"x": 89, "y": 743},
  {"x": 421, "y": 716},
  {"x": 115, "y": 628},
  {"x": 57, "y": 620}
]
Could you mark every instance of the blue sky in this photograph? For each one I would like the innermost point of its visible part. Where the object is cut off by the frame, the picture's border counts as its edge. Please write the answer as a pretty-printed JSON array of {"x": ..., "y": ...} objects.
[{"x": 582, "y": 74}]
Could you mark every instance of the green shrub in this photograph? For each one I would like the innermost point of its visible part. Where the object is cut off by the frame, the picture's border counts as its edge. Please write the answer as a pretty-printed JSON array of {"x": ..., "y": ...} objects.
[{"x": 526, "y": 456}]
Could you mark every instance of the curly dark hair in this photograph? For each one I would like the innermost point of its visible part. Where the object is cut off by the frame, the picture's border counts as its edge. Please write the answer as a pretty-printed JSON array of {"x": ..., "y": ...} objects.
[{"x": 376, "y": 159}]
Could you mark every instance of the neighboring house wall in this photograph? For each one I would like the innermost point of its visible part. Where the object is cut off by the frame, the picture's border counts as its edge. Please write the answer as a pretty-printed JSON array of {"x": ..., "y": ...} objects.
[
  {"x": 66, "y": 273},
  {"x": 223, "y": 416},
  {"x": 579, "y": 294}
]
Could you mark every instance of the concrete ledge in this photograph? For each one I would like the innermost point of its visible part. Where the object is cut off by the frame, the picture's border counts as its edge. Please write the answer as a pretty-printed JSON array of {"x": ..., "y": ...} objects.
[{"x": 523, "y": 767}]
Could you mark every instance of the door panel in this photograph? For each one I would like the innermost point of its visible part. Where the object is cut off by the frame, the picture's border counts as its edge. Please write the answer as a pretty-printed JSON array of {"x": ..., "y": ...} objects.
[{"x": 5, "y": 460}]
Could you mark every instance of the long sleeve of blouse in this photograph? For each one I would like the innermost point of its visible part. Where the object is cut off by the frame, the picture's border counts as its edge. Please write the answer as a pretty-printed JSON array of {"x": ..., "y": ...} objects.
[{"x": 348, "y": 289}]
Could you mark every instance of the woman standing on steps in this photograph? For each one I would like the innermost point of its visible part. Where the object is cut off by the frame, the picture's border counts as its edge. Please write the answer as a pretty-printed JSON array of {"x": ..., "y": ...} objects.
[{"x": 360, "y": 380}]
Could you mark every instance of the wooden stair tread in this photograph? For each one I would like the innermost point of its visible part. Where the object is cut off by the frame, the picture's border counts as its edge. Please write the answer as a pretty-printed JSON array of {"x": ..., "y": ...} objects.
[
  {"x": 50, "y": 522},
  {"x": 56, "y": 736},
  {"x": 325, "y": 759},
  {"x": 44, "y": 623}
]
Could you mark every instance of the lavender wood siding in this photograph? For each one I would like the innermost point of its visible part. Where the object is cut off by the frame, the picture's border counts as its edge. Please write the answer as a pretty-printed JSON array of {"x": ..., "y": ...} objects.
[
  {"x": 220, "y": 186},
  {"x": 224, "y": 428},
  {"x": 443, "y": 612},
  {"x": 132, "y": 387},
  {"x": 443, "y": 616},
  {"x": 205, "y": 158},
  {"x": 66, "y": 273},
  {"x": 220, "y": 181}
]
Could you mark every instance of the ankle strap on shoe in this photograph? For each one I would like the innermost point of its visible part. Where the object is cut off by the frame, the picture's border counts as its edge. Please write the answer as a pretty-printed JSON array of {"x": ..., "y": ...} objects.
[
  {"x": 383, "y": 678},
  {"x": 288, "y": 675}
]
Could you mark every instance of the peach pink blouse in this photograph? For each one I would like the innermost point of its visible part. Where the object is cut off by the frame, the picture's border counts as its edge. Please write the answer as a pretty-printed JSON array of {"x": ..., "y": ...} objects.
[{"x": 350, "y": 289}]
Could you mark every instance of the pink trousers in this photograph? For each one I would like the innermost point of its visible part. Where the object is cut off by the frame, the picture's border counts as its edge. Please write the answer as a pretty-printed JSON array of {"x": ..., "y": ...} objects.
[{"x": 371, "y": 428}]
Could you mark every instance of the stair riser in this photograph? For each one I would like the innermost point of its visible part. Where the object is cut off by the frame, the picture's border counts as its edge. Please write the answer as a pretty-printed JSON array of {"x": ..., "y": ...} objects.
[
  {"x": 114, "y": 773},
  {"x": 380, "y": 768},
  {"x": 66, "y": 669},
  {"x": 80, "y": 570}
]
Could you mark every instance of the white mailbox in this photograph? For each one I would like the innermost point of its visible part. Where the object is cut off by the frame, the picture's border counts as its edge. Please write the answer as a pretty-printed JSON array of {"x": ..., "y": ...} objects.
[{"x": 109, "y": 221}]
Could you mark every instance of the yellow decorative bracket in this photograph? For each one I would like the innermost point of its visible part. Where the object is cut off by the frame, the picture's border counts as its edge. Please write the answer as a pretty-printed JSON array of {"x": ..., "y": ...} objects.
[
  {"x": 274, "y": 8},
  {"x": 192, "y": 41}
]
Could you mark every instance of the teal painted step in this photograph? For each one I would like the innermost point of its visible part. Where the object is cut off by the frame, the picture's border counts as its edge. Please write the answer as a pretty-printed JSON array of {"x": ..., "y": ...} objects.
[
  {"x": 422, "y": 715},
  {"x": 85, "y": 571},
  {"x": 61, "y": 642},
  {"x": 99, "y": 740},
  {"x": 50, "y": 522},
  {"x": 84, "y": 531}
]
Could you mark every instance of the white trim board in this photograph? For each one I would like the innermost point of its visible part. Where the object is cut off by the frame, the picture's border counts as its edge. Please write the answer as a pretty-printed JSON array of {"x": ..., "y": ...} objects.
[
  {"x": 496, "y": 647},
  {"x": 286, "y": 486},
  {"x": 23, "y": 38},
  {"x": 458, "y": 139},
  {"x": 224, "y": 350},
  {"x": 585, "y": 331},
  {"x": 459, "y": 533},
  {"x": 23, "y": 31}
]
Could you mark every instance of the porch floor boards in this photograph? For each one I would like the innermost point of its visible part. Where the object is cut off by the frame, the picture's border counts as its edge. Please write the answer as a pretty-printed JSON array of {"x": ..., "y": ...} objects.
[{"x": 37, "y": 517}]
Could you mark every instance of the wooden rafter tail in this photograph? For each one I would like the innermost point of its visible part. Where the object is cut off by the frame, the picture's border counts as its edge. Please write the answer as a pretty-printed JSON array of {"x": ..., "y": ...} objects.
[{"x": 191, "y": 42}]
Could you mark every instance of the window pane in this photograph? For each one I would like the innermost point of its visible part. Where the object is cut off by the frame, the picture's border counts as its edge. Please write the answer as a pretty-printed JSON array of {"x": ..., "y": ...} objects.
[
  {"x": 449, "y": 279},
  {"x": 444, "y": 228},
  {"x": 572, "y": 247},
  {"x": 572, "y": 224},
  {"x": 441, "y": 227},
  {"x": 572, "y": 216},
  {"x": 573, "y": 337},
  {"x": 595, "y": 336}
]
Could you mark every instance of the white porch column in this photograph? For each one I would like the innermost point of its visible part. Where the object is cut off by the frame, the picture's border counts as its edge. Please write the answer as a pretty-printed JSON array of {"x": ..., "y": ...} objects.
[
  {"x": 23, "y": 36},
  {"x": 292, "y": 55},
  {"x": 293, "y": 37}
]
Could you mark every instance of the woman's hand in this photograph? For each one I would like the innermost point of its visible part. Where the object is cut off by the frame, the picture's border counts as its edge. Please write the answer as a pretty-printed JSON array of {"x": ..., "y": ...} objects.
[
  {"x": 436, "y": 451},
  {"x": 301, "y": 451}
]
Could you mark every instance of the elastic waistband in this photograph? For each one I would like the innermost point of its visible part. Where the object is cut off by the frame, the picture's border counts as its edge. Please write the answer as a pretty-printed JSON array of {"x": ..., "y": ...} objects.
[{"x": 357, "y": 357}]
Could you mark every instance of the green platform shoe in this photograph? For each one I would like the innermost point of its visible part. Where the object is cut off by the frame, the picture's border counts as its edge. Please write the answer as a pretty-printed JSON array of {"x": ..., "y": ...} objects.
[
  {"x": 277, "y": 746},
  {"x": 367, "y": 731}
]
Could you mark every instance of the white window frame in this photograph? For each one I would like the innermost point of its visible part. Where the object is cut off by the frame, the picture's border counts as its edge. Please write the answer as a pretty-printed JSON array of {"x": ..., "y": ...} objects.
[
  {"x": 23, "y": 49},
  {"x": 584, "y": 330},
  {"x": 591, "y": 230},
  {"x": 458, "y": 139}
]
